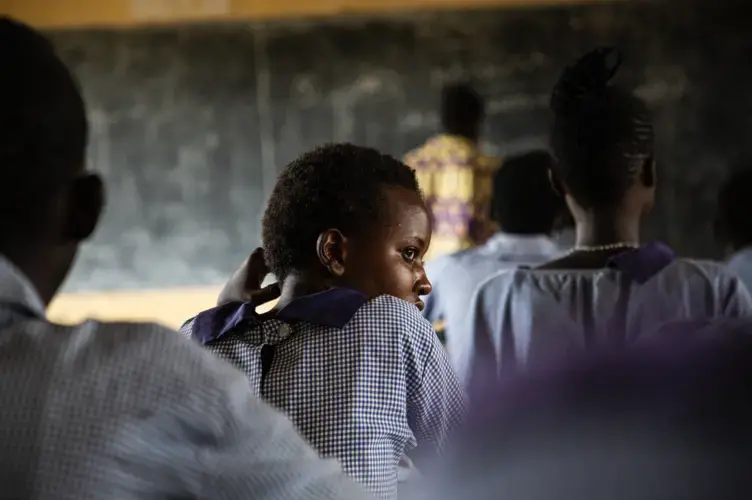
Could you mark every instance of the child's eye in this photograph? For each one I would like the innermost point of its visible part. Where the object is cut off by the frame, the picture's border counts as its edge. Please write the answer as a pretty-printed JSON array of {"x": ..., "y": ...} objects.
[{"x": 410, "y": 254}]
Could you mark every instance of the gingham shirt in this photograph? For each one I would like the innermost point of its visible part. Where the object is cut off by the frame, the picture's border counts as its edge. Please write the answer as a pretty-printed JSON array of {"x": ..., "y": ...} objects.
[
  {"x": 365, "y": 381},
  {"x": 128, "y": 411}
]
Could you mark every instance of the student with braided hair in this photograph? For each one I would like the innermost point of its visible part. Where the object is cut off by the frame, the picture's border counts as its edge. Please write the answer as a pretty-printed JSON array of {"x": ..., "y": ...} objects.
[{"x": 610, "y": 288}]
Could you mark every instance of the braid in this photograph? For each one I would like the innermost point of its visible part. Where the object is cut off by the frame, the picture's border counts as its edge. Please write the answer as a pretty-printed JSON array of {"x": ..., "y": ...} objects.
[{"x": 601, "y": 134}]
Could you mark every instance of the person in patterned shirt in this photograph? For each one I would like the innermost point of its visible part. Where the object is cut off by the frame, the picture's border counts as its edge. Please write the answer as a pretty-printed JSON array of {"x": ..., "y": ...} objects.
[
  {"x": 455, "y": 177},
  {"x": 345, "y": 352}
]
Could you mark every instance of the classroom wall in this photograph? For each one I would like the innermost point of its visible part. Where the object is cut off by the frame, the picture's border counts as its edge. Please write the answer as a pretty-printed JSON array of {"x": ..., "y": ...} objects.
[
  {"x": 191, "y": 124},
  {"x": 129, "y": 13}
]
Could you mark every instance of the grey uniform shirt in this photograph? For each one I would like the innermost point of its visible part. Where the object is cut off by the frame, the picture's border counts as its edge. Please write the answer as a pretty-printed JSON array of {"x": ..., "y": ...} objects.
[
  {"x": 528, "y": 317},
  {"x": 128, "y": 410}
]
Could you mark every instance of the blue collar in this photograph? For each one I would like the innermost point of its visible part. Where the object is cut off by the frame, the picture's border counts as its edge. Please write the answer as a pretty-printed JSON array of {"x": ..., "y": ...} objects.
[
  {"x": 642, "y": 263},
  {"x": 333, "y": 308}
]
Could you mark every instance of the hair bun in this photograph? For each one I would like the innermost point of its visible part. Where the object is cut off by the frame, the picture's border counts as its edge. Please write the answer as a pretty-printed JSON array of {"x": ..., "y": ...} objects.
[{"x": 583, "y": 86}]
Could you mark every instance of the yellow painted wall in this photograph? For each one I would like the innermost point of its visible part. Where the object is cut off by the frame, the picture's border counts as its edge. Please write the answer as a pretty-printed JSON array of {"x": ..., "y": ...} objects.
[
  {"x": 78, "y": 13},
  {"x": 168, "y": 307}
]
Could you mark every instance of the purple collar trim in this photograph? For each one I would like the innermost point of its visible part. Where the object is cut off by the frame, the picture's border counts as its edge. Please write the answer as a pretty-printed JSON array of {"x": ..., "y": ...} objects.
[
  {"x": 333, "y": 308},
  {"x": 642, "y": 263}
]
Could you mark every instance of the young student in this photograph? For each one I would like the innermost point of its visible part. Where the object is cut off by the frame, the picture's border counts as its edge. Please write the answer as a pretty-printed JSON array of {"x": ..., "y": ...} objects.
[
  {"x": 109, "y": 410},
  {"x": 454, "y": 174},
  {"x": 525, "y": 208},
  {"x": 609, "y": 289},
  {"x": 734, "y": 225},
  {"x": 345, "y": 352}
]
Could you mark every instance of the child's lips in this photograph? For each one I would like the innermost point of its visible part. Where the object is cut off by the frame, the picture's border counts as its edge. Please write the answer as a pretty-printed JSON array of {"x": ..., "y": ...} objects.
[{"x": 419, "y": 304}]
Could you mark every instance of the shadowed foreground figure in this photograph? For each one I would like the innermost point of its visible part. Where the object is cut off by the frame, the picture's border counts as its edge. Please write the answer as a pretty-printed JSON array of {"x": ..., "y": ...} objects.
[
  {"x": 109, "y": 410},
  {"x": 668, "y": 420}
]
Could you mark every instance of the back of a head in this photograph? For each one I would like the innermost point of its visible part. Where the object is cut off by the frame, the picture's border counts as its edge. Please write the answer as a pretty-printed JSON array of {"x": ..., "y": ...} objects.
[
  {"x": 733, "y": 223},
  {"x": 602, "y": 136},
  {"x": 524, "y": 201},
  {"x": 43, "y": 128},
  {"x": 335, "y": 186},
  {"x": 663, "y": 420},
  {"x": 462, "y": 111}
]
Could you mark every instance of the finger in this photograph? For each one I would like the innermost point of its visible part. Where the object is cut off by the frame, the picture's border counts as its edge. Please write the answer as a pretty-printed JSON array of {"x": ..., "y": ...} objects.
[
  {"x": 256, "y": 270},
  {"x": 266, "y": 294}
]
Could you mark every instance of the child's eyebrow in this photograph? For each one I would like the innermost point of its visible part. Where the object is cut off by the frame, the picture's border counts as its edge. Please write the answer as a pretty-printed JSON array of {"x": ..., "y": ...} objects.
[{"x": 415, "y": 240}]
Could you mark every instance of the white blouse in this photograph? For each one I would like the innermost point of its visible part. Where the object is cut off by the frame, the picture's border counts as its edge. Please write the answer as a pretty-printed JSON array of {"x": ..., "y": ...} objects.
[{"x": 530, "y": 316}]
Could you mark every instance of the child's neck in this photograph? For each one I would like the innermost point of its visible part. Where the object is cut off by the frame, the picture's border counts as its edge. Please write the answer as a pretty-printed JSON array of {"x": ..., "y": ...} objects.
[{"x": 297, "y": 285}]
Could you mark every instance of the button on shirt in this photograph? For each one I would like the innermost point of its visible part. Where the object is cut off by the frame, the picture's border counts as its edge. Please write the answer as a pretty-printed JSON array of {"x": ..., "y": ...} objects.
[
  {"x": 132, "y": 411},
  {"x": 365, "y": 381},
  {"x": 455, "y": 277}
]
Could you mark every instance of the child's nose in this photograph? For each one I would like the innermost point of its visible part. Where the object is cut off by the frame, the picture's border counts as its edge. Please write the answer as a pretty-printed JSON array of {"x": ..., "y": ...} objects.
[{"x": 424, "y": 286}]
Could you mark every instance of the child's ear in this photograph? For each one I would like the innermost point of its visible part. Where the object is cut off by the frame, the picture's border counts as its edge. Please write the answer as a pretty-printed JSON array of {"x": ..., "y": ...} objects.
[{"x": 331, "y": 249}]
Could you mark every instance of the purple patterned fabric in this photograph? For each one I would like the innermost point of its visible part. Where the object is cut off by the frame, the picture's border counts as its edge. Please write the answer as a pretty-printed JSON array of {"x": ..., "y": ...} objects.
[{"x": 452, "y": 211}]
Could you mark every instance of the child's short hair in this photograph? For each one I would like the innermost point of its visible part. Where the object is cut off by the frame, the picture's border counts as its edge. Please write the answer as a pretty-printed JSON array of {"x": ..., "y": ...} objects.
[{"x": 336, "y": 186}]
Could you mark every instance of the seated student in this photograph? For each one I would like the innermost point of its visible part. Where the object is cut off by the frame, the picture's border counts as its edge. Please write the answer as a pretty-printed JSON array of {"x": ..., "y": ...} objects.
[
  {"x": 609, "y": 289},
  {"x": 734, "y": 225},
  {"x": 345, "y": 352},
  {"x": 525, "y": 207}
]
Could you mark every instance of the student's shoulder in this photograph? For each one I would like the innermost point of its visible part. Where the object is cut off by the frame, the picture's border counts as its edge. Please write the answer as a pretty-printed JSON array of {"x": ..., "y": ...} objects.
[
  {"x": 438, "y": 265},
  {"x": 489, "y": 163},
  {"x": 127, "y": 333},
  {"x": 390, "y": 306},
  {"x": 452, "y": 262},
  {"x": 148, "y": 348},
  {"x": 704, "y": 269},
  {"x": 393, "y": 316},
  {"x": 124, "y": 334},
  {"x": 508, "y": 278}
]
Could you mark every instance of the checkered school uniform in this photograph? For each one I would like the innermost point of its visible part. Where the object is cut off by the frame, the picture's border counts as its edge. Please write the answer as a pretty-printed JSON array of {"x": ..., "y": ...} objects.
[{"x": 365, "y": 380}]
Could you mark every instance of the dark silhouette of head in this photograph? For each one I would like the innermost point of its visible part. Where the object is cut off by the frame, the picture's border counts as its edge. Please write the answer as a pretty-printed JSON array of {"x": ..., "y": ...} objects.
[
  {"x": 462, "y": 111},
  {"x": 49, "y": 204},
  {"x": 524, "y": 201},
  {"x": 733, "y": 223},
  {"x": 602, "y": 141}
]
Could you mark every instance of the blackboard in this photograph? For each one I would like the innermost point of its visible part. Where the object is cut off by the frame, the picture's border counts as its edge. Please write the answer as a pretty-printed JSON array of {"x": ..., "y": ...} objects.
[{"x": 191, "y": 124}]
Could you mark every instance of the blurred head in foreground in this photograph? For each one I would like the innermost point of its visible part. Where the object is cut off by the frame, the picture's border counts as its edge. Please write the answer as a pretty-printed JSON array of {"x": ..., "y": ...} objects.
[
  {"x": 669, "y": 420},
  {"x": 49, "y": 203}
]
